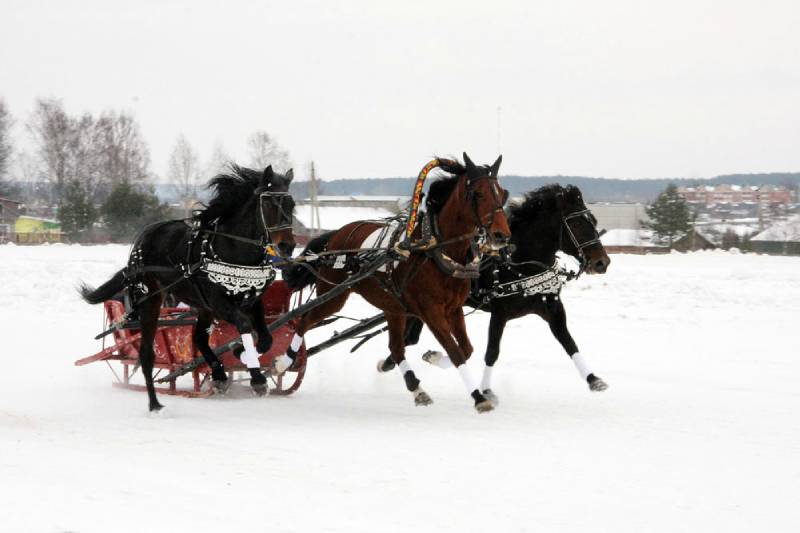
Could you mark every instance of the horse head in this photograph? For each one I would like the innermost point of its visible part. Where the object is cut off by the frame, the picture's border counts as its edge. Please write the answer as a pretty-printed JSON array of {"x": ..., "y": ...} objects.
[
  {"x": 579, "y": 236},
  {"x": 479, "y": 200},
  {"x": 275, "y": 207}
]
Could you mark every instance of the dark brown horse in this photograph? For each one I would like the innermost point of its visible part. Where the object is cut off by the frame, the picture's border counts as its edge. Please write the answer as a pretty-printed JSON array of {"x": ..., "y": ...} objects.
[{"x": 461, "y": 206}]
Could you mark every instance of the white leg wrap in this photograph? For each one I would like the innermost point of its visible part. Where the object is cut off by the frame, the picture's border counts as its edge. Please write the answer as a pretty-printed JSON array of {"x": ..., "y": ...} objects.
[
  {"x": 404, "y": 367},
  {"x": 580, "y": 364},
  {"x": 486, "y": 381},
  {"x": 297, "y": 342},
  {"x": 466, "y": 377},
  {"x": 250, "y": 355}
]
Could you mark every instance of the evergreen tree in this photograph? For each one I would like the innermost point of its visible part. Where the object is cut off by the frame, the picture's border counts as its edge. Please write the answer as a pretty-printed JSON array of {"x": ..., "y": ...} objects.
[
  {"x": 128, "y": 209},
  {"x": 669, "y": 215},
  {"x": 76, "y": 213}
]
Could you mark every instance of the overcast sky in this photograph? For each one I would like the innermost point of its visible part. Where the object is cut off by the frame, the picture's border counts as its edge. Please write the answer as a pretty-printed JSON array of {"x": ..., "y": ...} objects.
[{"x": 600, "y": 88}]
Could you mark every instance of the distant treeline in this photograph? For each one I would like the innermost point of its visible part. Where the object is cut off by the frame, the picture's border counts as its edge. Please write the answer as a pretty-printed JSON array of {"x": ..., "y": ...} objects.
[{"x": 594, "y": 189}]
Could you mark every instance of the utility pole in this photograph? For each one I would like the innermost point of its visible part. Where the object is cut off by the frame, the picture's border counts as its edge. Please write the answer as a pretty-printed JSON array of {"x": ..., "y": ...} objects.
[{"x": 316, "y": 225}]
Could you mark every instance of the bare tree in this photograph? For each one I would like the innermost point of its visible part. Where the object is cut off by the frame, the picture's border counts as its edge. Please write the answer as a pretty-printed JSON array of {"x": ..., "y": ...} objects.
[
  {"x": 265, "y": 150},
  {"x": 6, "y": 148},
  {"x": 51, "y": 131},
  {"x": 217, "y": 163},
  {"x": 122, "y": 155},
  {"x": 27, "y": 166},
  {"x": 183, "y": 171}
]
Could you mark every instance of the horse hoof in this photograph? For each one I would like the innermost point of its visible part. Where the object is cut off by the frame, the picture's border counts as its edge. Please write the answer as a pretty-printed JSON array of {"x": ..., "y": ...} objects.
[
  {"x": 260, "y": 389},
  {"x": 156, "y": 407},
  {"x": 421, "y": 398},
  {"x": 484, "y": 406},
  {"x": 433, "y": 357},
  {"x": 385, "y": 365},
  {"x": 221, "y": 386},
  {"x": 491, "y": 396},
  {"x": 596, "y": 384}
]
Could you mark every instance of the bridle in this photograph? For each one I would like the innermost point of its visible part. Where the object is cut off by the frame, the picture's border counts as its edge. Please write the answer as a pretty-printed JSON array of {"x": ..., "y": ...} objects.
[
  {"x": 587, "y": 216},
  {"x": 278, "y": 201},
  {"x": 483, "y": 228}
]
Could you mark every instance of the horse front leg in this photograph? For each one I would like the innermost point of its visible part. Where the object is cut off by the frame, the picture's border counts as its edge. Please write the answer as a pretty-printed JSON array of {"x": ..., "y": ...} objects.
[
  {"x": 439, "y": 323},
  {"x": 557, "y": 320},
  {"x": 264, "y": 337},
  {"x": 219, "y": 380},
  {"x": 497, "y": 325},
  {"x": 250, "y": 355}
]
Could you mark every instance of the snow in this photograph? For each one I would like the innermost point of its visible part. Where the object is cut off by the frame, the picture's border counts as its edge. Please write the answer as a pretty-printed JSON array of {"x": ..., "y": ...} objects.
[
  {"x": 335, "y": 217},
  {"x": 698, "y": 432},
  {"x": 788, "y": 231}
]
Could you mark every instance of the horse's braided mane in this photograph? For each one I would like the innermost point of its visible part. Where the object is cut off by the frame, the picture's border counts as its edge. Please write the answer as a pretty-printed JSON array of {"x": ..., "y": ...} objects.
[
  {"x": 232, "y": 190},
  {"x": 536, "y": 201}
]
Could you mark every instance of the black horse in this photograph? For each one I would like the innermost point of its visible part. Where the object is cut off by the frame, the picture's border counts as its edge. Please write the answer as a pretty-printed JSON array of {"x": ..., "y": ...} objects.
[
  {"x": 550, "y": 219},
  {"x": 219, "y": 262}
]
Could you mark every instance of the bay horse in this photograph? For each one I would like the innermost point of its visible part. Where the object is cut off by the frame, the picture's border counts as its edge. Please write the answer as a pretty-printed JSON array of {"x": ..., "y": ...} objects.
[
  {"x": 460, "y": 206},
  {"x": 219, "y": 262},
  {"x": 550, "y": 219}
]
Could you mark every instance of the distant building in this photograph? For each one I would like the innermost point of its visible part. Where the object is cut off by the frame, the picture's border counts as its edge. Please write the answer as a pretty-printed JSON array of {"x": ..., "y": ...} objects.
[
  {"x": 781, "y": 239},
  {"x": 693, "y": 241},
  {"x": 10, "y": 210},
  {"x": 737, "y": 194},
  {"x": 36, "y": 230},
  {"x": 631, "y": 241},
  {"x": 618, "y": 215}
]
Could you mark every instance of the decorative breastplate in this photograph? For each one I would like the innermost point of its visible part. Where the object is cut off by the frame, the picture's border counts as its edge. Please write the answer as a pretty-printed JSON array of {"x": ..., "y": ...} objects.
[
  {"x": 547, "y": 282},
  {"x": 238, "y": 278}
]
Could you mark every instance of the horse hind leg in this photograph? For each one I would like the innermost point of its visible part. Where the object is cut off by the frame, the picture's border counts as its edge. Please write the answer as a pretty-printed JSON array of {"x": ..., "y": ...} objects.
[
  {"x": 149, "y": 311},
  {"x": 397, "y": 342},
  {"x": 411, "y": 335}
]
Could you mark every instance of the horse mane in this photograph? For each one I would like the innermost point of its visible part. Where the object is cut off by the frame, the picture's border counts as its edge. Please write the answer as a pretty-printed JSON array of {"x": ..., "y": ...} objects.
[
  {"x": 443, "y": 186},
  {"x": 231, "y": 190},
  {"x": 536, "y": 202}
]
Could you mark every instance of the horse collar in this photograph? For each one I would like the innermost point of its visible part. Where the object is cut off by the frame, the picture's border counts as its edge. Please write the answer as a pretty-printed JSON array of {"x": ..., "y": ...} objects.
[{"x": 448, "y": 265}]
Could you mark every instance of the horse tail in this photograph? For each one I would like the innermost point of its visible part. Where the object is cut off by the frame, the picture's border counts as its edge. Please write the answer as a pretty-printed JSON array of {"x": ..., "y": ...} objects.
[
  {"x": 104, "y": 292},
  {"x": 303, "y": 274}
]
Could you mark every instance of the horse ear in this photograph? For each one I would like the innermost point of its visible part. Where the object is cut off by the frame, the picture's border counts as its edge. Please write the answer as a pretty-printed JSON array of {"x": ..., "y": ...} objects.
[
  {"x": 289, "y": 175},
  {"x": 469, "y": 164},
  {"x": 268, "y": 173},
  {"x": 496, "y": 166}
]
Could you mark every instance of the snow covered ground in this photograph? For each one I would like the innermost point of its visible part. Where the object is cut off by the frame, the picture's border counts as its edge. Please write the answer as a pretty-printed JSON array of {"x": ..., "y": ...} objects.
[{"x": 699, "y": 430}]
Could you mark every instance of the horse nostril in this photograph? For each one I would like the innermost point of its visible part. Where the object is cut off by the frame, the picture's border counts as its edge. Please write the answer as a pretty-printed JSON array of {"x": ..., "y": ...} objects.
[{"x": 601, "y": 265}]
